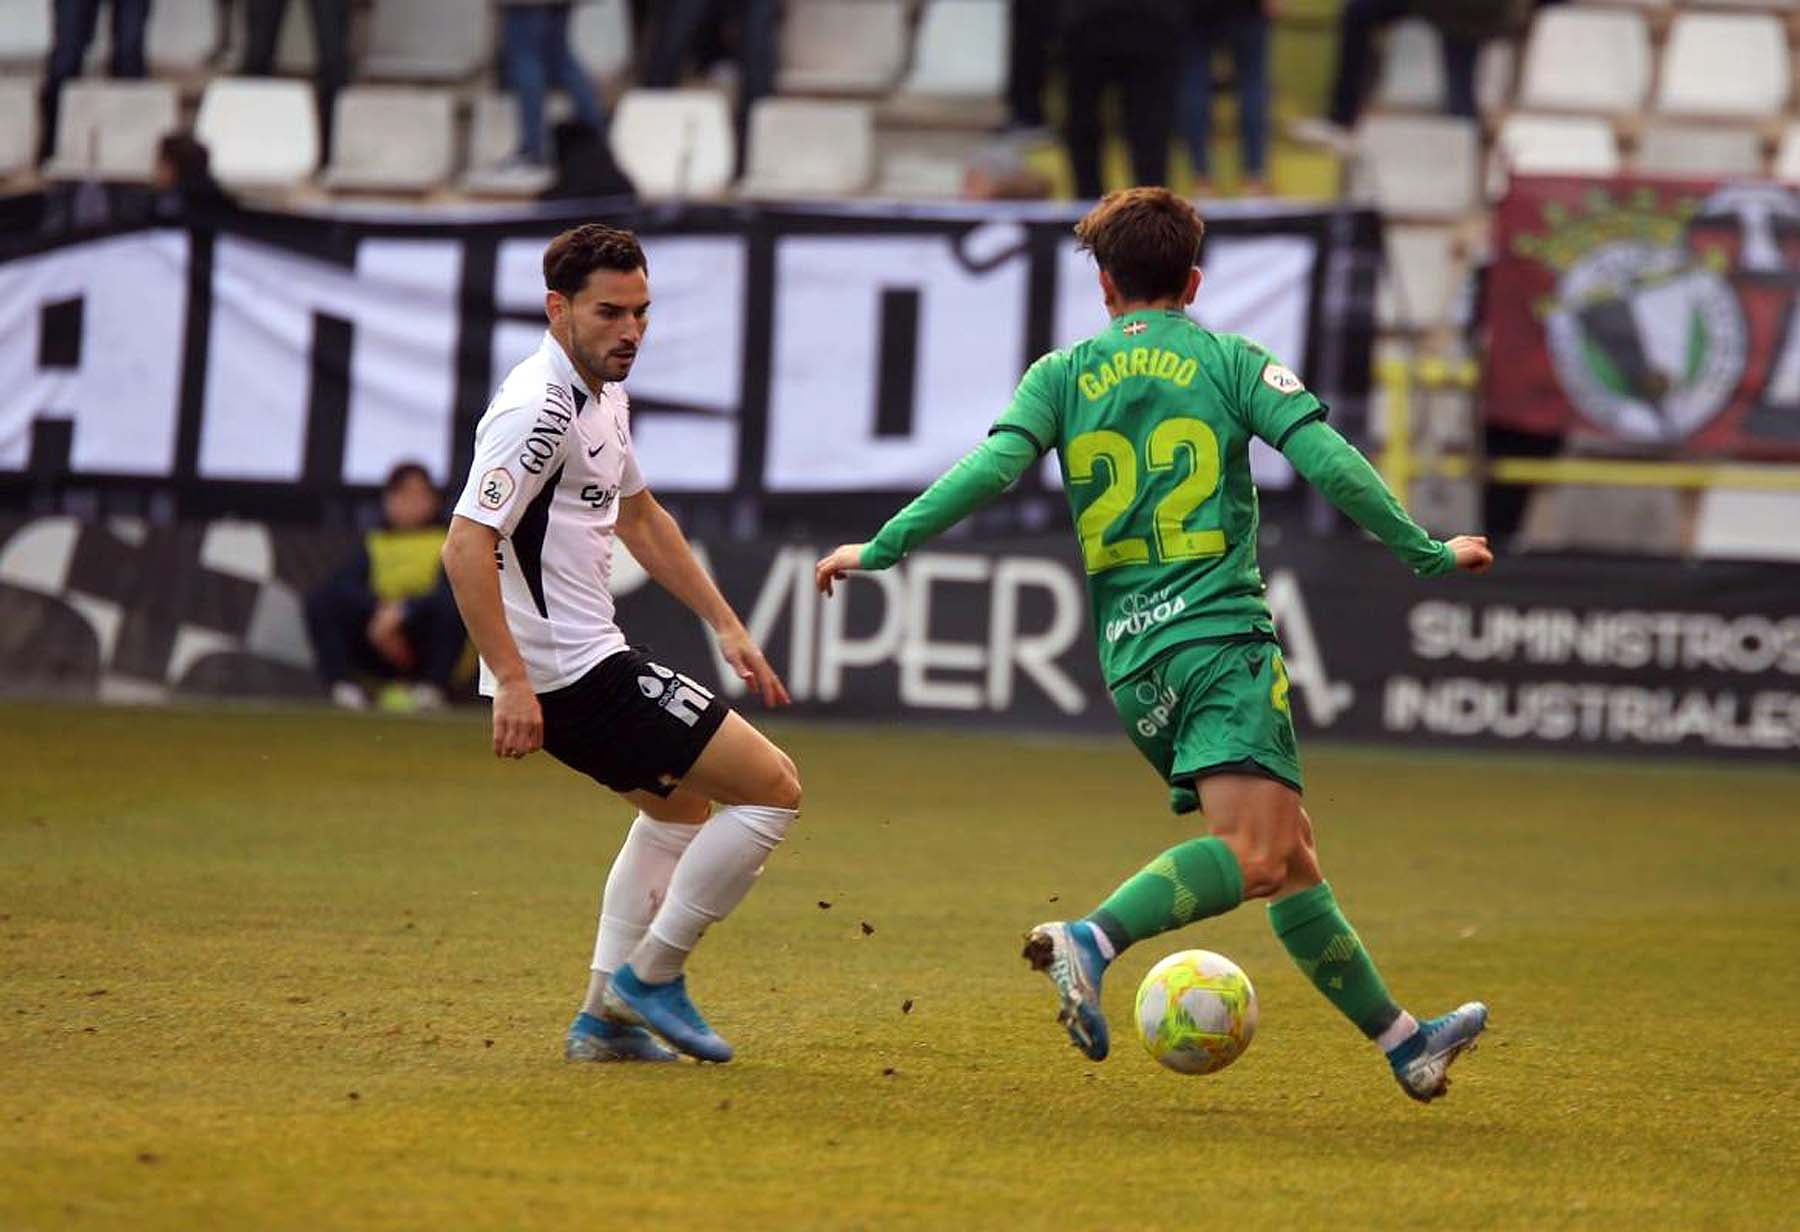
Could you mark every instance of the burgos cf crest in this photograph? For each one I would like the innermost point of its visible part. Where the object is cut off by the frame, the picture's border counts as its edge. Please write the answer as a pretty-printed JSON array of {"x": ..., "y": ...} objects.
[{"x": 1646, "y": 334}]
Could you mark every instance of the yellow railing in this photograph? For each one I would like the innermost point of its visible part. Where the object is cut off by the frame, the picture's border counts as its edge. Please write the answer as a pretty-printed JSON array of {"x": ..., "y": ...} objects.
[{"x": 1401, "y": 462}]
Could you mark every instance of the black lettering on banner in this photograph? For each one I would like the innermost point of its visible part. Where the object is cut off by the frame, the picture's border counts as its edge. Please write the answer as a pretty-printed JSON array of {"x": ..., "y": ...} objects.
[
  {"x": 899, "y": 361},
  {"x": 328, "y": 410}
]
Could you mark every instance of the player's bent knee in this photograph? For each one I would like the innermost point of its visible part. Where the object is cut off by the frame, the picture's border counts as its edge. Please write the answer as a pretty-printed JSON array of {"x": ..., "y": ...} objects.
[{"x": 784, "y": 790}]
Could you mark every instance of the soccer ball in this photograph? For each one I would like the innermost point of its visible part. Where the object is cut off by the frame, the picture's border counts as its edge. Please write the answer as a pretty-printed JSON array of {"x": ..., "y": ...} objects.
[{"x": 1196, "y": 1012}]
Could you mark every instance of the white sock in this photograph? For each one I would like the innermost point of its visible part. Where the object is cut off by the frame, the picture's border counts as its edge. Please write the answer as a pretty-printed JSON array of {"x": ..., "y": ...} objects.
[
  {"x": 712, "y": 878},
  {"x": 635, "y": 888},
  {"x": 1397, "y": 1034}
]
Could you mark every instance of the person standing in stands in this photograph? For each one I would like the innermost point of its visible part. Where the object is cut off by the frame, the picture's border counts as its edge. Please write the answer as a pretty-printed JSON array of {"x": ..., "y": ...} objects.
[
  {"x": 534, "y": 40},
  {"x": 1242, "y": 26},
  {"x": 75, "y": 22},
  {"x": 1135, "y": 45},
  {"x": 331, "y": 39},
  {"x": 388, "y": 611}
]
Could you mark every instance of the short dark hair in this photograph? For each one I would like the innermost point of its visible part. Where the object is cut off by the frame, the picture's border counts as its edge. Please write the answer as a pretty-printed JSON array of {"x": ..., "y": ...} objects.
[
  {"x": 579, "y": 251},
  {"x": 1146, "y": 239},
  {"x": 190, "y": 159},
  {"x": 404, "y": 471}
]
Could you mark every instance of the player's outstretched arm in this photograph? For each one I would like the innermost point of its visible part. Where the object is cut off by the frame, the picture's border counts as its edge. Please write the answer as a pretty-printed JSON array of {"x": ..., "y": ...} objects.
[
  {"x": 655, "y": 539},
  {"x": 977, "y": 478},
  {"x": 468, "y": 558},
  {"x": 1338, "y": 469}
]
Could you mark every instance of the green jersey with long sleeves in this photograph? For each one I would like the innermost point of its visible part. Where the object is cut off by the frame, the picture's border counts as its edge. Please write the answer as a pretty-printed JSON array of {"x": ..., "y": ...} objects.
[{"x": 1151, "y": 420}]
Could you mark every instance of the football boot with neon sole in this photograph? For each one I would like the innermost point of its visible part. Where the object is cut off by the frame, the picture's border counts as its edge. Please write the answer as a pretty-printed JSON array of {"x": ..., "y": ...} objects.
[
  {"x": 666, "y": 1010},
  {"x": 1069, "y": 956},
  {"x": 1421, "y": 1064},
  {"x": 596, "y": 1039}
]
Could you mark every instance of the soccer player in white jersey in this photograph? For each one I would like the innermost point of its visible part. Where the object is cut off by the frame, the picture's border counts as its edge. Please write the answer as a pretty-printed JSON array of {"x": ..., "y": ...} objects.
[{"x": 554, "y": 481}]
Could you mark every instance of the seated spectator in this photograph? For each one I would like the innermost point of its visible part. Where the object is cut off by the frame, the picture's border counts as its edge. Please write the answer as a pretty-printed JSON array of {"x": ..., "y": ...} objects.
[
  {"x": 388, "y": 612},
  {"x": 331, "y": 39},
  {"x": 534, "y": 40},
  {"x": 75, "y": 22},
  {"x": 183, "y": 181}
]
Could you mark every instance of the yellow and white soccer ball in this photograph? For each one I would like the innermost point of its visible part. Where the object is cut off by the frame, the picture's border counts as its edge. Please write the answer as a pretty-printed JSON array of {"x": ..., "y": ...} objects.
[{"x": 1196, "y": 1012}]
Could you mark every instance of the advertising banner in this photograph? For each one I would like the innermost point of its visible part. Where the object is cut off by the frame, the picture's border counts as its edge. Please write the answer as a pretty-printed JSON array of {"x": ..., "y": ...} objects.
[{"x": 1582, "y": 655}]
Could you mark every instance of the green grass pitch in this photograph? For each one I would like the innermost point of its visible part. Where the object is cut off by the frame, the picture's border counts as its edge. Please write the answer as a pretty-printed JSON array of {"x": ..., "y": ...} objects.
[{"x": 291, "y": 970}]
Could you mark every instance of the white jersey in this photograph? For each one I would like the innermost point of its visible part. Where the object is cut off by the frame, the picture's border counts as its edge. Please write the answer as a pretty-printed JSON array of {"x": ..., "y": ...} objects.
[{"x": 551, "y": 462}]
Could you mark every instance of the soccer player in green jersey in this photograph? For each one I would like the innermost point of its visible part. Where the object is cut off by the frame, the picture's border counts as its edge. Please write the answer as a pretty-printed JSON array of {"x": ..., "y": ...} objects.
[{"x": 1151, "y": 420}]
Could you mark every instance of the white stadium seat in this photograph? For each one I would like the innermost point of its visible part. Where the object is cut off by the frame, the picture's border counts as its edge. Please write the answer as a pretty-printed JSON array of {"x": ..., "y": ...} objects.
[
  {"x": 829, "y": 47},
  {"x": 1494, "y": 70},
  {"x": 395, "y": 138},
  {"x": 429, "y": 40},
  {"x": 1417, "y": 166},
  {"x": 674, "y": 143},
  {"x": 1581, "y": 59},
  {"x": 24, "y": 31},
  {"x": 181, "y": 35},
  {"x": 18, "y": 124},
  {"x": 1747, "y": 525},
  {"x": 109, "y": 130},
  {"x": 1412, "y": 67},
  {"x": 1698, "y": 152},
  {"x": 808, "y": 148},
  {"x": 960, "y": 50},
  {"x": 493, "y": 141},
  {"x": 1557, "y": 145},
  {"x": 1787, "y": 155},
  {"x": 1724, "y": 64},
  {"x": 262, "y": 133},
  {"x": 1419, "y": 285},
  {"x": 600, "y": 35}
]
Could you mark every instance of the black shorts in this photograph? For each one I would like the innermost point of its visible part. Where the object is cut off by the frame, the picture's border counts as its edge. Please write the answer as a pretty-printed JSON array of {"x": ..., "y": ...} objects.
[{"x": 631, "y": 724}]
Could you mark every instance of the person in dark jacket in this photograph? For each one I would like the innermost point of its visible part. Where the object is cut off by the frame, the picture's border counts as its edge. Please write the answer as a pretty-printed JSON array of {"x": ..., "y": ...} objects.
[
  {"x": 1136, "y": 46},
  {"x": 388, "y": 611}
]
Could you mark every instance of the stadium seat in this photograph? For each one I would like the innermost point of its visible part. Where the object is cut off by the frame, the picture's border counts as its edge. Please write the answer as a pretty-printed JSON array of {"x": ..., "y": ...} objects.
[
  {"x": 1787, "y": 155},
  {"x": 600, "y": 34},
  {"x": 1747, "y": 525},
  {"x": 182, "y": 35},
  {"x": 1417, "y": 166},
  {"x": 1556, "y": 145},
  {"x": 1697, "y": 151},
  {"x": 109, "y": 130},
  {"x": 960, "y": 50},
  {"x": 829, "y": 47},
  {"x": 395, "y": 138},
  {"x": 922, "y": 165},
  {"x": 674, "y": 143},
  {"x": 1412, "y": 67},
  {"x": 262, "y": 133},
  {"x": 1582, "y": 59},
  {"x": 429, "y": 40},
  {"x": 18, "y": 124},
  {"x": 24, "y": 32},
  {"x": 1724, "y": 64},
  {"x": 808, "y": 148},
  {"x": 1494, "y": 72},
  {"x": 1419, "y": 284},
  {"x": 494, "y": 139}
]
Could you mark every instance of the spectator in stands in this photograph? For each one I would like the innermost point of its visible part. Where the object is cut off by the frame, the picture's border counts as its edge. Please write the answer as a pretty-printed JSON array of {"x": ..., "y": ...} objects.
[
  {"x": 1135, "y": 45},
  {"x": 1242, "y": 26},
  {"x": 1462, "y": 25},
  {"x": 331, "y": 39},
  {"x": 388, "y": 611},
  {"x": 534, "y": 39},
  {"x": 677, "y": 28},
  {"x": 183, "y": 181},
  {"x": 75, "y": 22},
  {"x": 1032, "y": 38}
]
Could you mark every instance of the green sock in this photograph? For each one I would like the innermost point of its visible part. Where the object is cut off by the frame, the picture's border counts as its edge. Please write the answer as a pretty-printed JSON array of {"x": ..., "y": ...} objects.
[
  {"x": 1187, "y": 882},
  {"x": 1331, "y": 955}
]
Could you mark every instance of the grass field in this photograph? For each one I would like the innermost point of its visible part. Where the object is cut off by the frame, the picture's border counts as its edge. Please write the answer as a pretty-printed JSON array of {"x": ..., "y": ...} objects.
[{"x": 299, "y": 971}]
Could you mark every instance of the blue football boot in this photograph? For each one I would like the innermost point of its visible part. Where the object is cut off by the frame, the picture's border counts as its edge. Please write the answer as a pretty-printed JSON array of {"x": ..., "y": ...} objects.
[
  {"x": 1069, "y": 955},
  {"x": 666, "y": 1010},
  {"x": 595, "y": 1039},
  {"x": 1421, "y": 1064}
]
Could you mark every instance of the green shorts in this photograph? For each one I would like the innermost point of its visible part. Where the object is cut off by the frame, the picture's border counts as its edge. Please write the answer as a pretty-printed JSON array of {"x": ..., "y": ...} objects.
[{"x": 1209, "y": 708}]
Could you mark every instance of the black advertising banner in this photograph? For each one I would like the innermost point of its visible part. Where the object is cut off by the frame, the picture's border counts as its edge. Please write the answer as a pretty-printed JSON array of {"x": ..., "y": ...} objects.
[
  {"x": 267, "y": 364},
  {"x": 1582, "y": 655}
]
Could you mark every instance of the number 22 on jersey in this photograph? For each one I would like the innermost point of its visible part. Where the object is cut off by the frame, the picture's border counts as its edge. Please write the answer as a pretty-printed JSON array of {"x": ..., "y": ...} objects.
[{"x": 1172, "y": 442}]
